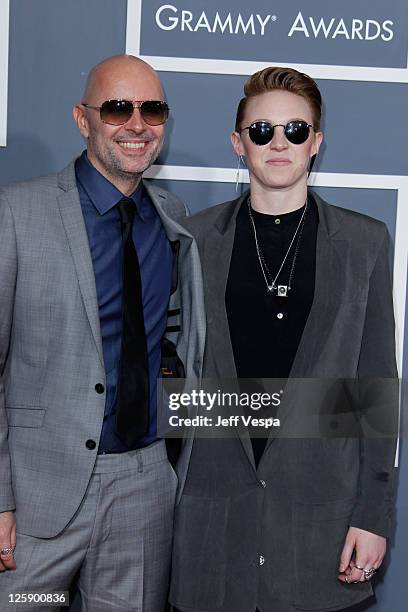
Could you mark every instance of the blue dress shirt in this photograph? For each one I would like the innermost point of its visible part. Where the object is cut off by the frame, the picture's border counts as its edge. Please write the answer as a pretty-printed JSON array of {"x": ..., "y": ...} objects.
[{"x": 98, "y": 198}]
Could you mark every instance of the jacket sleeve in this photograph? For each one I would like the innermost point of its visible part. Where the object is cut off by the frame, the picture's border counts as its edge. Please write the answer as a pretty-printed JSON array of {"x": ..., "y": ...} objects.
[
  {"x": 8, "y": 277},
  {"x": 378, "y": 391}
]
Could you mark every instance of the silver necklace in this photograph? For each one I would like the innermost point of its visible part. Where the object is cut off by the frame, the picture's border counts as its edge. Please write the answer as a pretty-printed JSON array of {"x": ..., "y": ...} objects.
[{"x": 270, "y": 281}]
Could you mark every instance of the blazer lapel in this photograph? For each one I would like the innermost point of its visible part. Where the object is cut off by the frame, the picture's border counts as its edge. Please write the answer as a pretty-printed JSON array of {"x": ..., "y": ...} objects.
[
  {"x": 74, "y": 225},
  {"x": 177, "y": 234},
  {"x": 328, "y": 258},
  {"x": 217, "y": 259},
  {"x": 310, "y": 360},
  {"x": 174, "y": 230}
]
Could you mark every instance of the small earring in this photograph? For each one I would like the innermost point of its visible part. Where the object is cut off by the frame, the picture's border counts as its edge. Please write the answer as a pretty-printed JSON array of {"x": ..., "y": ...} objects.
[
  {"x": 240, "y": 161},
  {"x": 311, "y": 164}
]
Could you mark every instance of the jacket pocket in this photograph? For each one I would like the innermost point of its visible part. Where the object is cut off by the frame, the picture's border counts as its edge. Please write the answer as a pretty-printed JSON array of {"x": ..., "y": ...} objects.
[
  {"x": 199, "y": 553},
  {"x": 319, "y": 533},
  {"x": 25, "y": 417}
]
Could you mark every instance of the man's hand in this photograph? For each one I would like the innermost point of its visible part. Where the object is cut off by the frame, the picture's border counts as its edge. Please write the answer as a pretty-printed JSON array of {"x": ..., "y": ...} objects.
[
  {"x": 7, "y": 540},
  {"x": 363, "y": 551}
]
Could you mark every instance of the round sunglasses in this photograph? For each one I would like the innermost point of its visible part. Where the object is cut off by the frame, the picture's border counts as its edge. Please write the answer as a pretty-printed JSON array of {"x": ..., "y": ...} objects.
[
  {"x": 118, "y": 112},
  {"x": 261, "y": 132}
]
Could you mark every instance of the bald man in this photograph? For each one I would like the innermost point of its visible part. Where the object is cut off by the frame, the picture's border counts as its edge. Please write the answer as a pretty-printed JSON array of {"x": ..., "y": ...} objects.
[{"x": 98, "y": 285}]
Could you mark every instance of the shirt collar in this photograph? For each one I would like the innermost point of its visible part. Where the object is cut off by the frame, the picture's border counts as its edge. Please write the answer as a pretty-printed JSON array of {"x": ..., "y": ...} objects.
[{"x": 101, "y": 192}]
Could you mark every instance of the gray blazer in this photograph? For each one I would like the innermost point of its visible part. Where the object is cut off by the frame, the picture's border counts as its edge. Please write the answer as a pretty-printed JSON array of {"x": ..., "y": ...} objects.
[
  {"x": 50, "y": 345},
  {"x": 271, "y": 537}
]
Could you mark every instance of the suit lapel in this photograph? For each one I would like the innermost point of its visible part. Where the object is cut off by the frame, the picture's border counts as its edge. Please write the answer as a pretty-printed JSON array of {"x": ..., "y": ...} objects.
[
  {"x": 217, "y": 259},
  {"x": 311, "y": 359},
  {"x": 74, "y": 225},
  {"x": 306, "y": 362},
  {"x": 174, "y": 230},
  {"x": 176, "y": 233}
]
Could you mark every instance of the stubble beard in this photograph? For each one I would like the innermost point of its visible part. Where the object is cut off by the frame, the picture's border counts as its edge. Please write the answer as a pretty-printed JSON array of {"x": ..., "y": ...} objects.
[
  {"x": 114, "y": 168},
  {"x": 117, "y": 169}
]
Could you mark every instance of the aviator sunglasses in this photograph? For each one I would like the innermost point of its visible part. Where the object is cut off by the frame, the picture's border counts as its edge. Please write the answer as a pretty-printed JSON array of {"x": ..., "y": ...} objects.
[
  {"x": 261, "y": 132},
  {"x": 118, "y": 112}
]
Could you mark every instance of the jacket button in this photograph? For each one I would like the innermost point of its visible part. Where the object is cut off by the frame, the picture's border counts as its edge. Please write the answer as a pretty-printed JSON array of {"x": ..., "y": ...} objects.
[
  {"x": 91, "y": 444},
  {"x": 261, "y": 559},
  {"x": 99, "y": 388},
  {"x": 263, "y": 484}
]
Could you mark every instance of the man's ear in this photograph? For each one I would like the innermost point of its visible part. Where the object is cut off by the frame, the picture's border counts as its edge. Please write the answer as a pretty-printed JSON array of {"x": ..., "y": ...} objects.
[{"x": 80, "y": 119}]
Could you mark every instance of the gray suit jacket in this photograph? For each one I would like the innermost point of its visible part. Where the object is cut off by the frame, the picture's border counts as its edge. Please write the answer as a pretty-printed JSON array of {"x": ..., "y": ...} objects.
[
  {"x": 271, "y": 537},
  {"x": 50, "y": 345}
]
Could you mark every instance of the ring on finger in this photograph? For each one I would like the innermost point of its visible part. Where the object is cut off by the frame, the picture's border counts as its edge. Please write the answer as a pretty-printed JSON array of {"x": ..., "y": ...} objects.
[
  {"x": 5, "y": 552},
  {"x": 369, "y": 573}
]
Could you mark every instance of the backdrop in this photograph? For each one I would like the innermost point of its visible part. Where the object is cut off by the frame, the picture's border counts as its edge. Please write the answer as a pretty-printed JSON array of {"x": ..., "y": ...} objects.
[{"x": 204, "y": 49}]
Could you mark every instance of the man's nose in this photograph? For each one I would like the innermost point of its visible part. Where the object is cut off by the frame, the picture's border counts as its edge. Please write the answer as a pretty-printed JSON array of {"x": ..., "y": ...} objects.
[{"x": 136, "y": 122}]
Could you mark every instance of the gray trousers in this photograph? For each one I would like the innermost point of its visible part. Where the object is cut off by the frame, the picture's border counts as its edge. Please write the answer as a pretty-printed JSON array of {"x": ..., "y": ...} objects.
[{"x": 119, "y": 540}]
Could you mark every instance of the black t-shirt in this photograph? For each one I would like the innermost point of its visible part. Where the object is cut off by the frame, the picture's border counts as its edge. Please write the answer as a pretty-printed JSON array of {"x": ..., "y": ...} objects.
[{"x": 266, "y": 329}]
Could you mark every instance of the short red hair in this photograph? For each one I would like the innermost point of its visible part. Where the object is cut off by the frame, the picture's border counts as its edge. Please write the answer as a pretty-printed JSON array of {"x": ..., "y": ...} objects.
[{"x": 286, "y": 79}]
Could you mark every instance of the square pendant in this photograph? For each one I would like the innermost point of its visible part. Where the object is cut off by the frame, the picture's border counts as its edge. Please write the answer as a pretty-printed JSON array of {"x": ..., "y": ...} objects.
[{"x": 282, "y": 291}]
